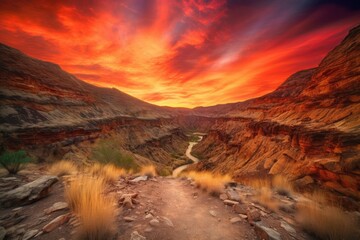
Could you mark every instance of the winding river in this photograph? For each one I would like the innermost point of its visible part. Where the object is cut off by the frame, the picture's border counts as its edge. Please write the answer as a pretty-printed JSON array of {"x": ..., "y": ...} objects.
[{"x": 178, "y": 170}]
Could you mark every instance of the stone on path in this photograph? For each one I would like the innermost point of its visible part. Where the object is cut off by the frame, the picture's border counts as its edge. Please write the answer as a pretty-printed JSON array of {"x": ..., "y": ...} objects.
[
  {"x": 29, "y": 234},
  {"x": 56, "y": 207},
  {"x": 136, "y": 236},
  {"x": 140, "y": 178},
  {"x": 230, "y": 202},
  {"x": 154, "y": 222},
  {"x": 266, "y": 233},
  {"x": 213, "y": 213},
  {"x": 235, "y": 220},
  {"x": 233, "y": 195},
  {"x": 55, "y": 223}
]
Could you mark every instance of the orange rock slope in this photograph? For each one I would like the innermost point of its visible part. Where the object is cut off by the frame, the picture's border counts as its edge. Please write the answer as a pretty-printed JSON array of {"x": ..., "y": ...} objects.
[{"x": 307, "y": 129}]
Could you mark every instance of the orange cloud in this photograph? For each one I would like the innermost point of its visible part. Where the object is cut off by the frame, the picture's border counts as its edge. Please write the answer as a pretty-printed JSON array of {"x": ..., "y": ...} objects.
[{"x": 179, "y": 53}]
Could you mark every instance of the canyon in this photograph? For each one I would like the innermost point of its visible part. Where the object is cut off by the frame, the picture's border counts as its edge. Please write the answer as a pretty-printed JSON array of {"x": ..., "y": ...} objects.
[{"x": 307, "y": 129}]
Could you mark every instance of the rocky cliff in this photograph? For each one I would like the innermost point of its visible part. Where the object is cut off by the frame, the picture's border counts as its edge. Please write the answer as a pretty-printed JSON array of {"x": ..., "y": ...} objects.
[
  {"x": 48, "y": 110},
  {"x": 308, "y": 129}
]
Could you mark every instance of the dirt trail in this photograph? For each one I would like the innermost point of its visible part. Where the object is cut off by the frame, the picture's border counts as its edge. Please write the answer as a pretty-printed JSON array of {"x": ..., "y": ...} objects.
[{"x": 188, "y": 209}]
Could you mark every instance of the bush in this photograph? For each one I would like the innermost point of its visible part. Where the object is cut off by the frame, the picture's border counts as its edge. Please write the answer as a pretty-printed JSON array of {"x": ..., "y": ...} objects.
[
  {"x": 106, "y": 152},
  {"x": 13, "y": 161},
  {"x": 62, "y": 168},
  {"x": 282, "y": 185},
  {"x": 148, "y": 170},
  {"x": 109, "y": 172},
  {"x": 97, "y": 213},
  {"x": 214, "y": 184}
]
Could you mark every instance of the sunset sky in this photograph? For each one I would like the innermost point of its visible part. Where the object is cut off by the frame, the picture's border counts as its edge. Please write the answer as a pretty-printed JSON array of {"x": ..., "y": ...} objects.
[{"x": 179, "y": 52}]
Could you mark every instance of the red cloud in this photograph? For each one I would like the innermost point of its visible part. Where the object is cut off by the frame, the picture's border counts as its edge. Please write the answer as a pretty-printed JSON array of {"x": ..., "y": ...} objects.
[{"x": 178, "y": 53}]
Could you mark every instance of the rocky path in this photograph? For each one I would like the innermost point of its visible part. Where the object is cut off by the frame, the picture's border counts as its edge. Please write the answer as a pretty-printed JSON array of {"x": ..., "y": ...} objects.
[{"x": 183, "y": 213}]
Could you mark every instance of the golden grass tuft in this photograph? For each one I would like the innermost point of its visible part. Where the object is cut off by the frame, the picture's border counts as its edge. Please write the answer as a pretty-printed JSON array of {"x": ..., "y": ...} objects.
[
  {"x": 63, "y": 168},
  {"x": 96, "y": 212},
  {"x": 109, "y": 172},
  {"x": 326, "y": 222},
  {"x": 282, "y": 185},
  {"x": 214, "y": 184},
  {"x": 148, "y": 170},
  {"x": 265, "y": 198}
]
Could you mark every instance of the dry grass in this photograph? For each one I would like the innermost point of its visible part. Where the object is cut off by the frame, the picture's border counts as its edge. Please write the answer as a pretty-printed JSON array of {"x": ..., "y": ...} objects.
[
  {"x": 327, "y": 222},
  {"x": 257, "y": 183},
  {"x": 63, "y": 168},
  {"x": 214, "y": 184},
  {"x": 109, "y": 172},
  {"x": 265, "y": 198},
  {"x": 96, "y": 212},
  {"x": 148, "y": 170},
  {"x": 282, "y": 185}
]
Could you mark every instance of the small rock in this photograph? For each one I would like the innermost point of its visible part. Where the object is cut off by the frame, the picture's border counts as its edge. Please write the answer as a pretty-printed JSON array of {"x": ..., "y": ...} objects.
[
  {"x": 57, "y": 222},
  {"x": 223, "y": 196},
  {"x": 230, "y": 202},
  {"x": 253, "y": 216},
  {"x": 61, "y": 238},
  {"x": 136, "y": 236},
  {"x": 213, "y": 213},
  {"x": 243, "y": 216},
  {"x": 17, "y": 209},
  {"x": 140, "y": 178},
  {"x": 235, "y": 220},
  {"x": 233, "y": 195},
  {"x": 240, "y": 208},
  {"x": 129, "y": 219},
  {"x": 56, "y": 207},
  {"x": 168, "y": 221},
  {"x": 288, "y": 228},
  {"x": 148, "y": 229},
  {"x": 154, "y": 222},
  {"x": 149, "y": 215},
  {"x": 29, "y": 234},
  {"x": 266, "y": 233}
]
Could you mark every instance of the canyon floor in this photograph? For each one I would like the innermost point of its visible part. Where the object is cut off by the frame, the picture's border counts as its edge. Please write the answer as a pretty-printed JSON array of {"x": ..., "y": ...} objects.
[{"x": 166, "y": 208}]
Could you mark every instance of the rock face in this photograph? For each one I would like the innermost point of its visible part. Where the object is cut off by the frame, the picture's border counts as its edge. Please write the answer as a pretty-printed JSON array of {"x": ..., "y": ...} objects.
[
  {"x": 48, "y": 110},
  {"x": 29, "y": 192},
  {"x": 309, "y": 126}
]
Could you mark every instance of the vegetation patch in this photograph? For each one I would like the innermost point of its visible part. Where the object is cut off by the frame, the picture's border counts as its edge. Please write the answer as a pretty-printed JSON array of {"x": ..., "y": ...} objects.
[
  {"x": 107, "y": 152},
  {"x": 96, "y": 212},
  {"x": 212, "y": 183},
  {"x": 14, "y": 161}
]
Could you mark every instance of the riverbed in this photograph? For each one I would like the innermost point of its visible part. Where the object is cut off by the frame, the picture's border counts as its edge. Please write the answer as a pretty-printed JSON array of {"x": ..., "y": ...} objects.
[{"x": 178, "y": 170}]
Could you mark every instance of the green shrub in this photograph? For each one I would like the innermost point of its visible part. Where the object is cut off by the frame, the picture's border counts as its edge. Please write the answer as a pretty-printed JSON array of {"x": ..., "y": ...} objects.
[
  {"x": 13, "y": 161},
  {"x": 106, "y": 152}
]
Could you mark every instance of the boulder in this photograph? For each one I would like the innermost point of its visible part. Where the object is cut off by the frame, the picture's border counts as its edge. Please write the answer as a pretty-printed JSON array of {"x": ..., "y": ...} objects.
[
  {"x": 154, "y": 222},
  {"x": 29, "y": 192}
]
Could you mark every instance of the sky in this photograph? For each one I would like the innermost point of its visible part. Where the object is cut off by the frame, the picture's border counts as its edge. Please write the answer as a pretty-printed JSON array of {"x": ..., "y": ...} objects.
[{"x": 181, "y": 53}]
